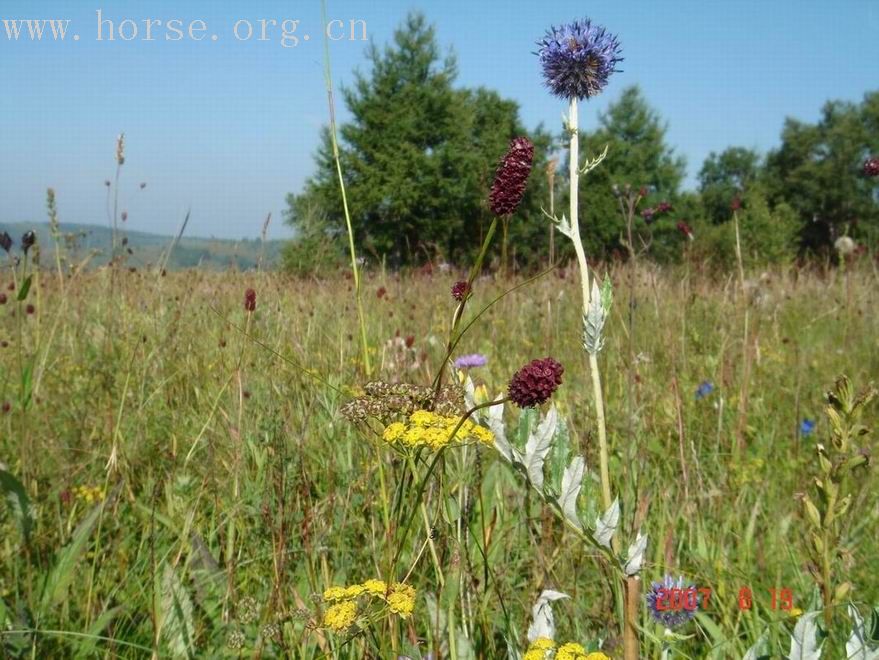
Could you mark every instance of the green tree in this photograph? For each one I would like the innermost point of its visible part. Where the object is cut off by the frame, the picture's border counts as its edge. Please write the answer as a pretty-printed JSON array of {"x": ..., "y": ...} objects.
[
  {"x": 724, "y": 177},
  {"x": 638, "y": 156},
  {"x": 418, "y": 157},
  {"x": 817, "y": 171}
]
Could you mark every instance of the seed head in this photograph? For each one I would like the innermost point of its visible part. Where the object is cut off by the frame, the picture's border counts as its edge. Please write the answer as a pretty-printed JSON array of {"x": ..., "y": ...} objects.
[
  {"x": 460, "y": 290},
  {"x": 5, "y": 241},
  {"x": 511, "y": 177},
  {"x": 535, "y": 383},
  {"x": 120, "y": 149},
  {"x": 28, "y": 240}
]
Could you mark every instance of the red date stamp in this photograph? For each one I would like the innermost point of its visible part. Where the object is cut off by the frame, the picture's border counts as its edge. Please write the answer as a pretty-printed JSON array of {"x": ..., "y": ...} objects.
[{"x": 692, "y": 598}]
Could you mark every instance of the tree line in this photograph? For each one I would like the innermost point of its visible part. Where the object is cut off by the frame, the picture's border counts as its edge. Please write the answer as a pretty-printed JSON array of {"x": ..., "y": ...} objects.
[{"x": 419, "y": 153}]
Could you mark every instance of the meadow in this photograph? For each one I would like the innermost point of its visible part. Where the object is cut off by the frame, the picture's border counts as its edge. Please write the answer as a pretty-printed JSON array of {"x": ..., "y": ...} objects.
[{"x": 180, "y": 480}]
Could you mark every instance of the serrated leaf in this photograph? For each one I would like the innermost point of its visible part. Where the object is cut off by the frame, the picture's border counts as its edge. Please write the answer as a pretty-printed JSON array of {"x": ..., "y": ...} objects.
[
  {"x": 572, "y": 482},
  {"x": 804, "y": 643},
  {"x": 175, "y": 611},
  {"x": 759, "y": 649},
  {"x": 606, "y": 525},
  {"x": 18, "y": 502},
  {"x": 635, "y": 555},
  {"x": 856, "y": 647},
  {"x": 542, "y": 622},
  {"x": 538, "y": 446}
]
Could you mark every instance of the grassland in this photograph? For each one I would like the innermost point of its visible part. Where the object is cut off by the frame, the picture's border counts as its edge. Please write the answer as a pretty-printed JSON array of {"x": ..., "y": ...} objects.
[{"x": 190, "y": 486}]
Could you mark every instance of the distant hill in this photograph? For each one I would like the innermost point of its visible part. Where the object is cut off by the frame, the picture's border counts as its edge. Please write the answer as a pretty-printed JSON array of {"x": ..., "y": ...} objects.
[{"x": 147, "y": 249}]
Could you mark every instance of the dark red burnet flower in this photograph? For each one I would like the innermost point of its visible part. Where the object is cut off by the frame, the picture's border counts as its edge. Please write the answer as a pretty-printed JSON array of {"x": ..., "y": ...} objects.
[
  {"x": 250, "y": 300},
  {"x": 30, "y": 309},
  {"x": 381, "y": 293},
  {"x": 663, "y": 207},
  {"x": 6, "y": 407},
  {"x": 535, "y": 383},
  {"x": 460, "y": 290},
  {"x": 736, "y": 203},
  {"x": 511, "y": 177},
  {"x": 685, "y": 229},
  {"x": 2, "y": 298},
  {"x": 871, "y": 166}
]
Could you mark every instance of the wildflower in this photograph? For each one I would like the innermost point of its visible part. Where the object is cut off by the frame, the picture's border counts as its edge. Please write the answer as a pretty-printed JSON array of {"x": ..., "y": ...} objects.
[
  {"x": 5, "y": 241},
  {"x": 511, "y": 176},
  {"x": 685, "y": 229},
  {"x": 471, "y": 361},
  {"x": 663, "y": 207},
  {"x": 429, "y": 429},
  {"x": 871, "y": 166},
  {"x": 736, "y": 203},
  {"x": 657, "y": 598},
  {"x": 570, "y": 651},
  {"x": 597, "y": 655},
  {"x": 534, "y": 383},
  {"x": 705, "y": 388},
  {"x": 334, "y": 593},
  {"x": 89, "y": 494},
  {"x": 2, "y": 298},
  {"x": 375, "y": 587},
  {"x": 795, "y": 612},
  {"x": 460, "y": 290},
  {"x": 120, "y": 149},
  {"x": 807, "y": 426},
  {"x": 539, "y": 649},
  {"x": 30, "y": 309},
  {"x": 270, "y": 631},
  {"x": 250, "y": 300},
  {"x": 578, "y": 59},
  {"x": 381, "y": 292},
  {"x": 401, "y": 600},
  {"x": 845, "y": 245},
  {"x": 339, "y": 617},
  {"x": 235, "y": 640},
  {"x": 248, "y": 610},
  {"x": 6, "y": 407},
  {"x": 648, "y": 214},
  {"x": 28, "y": 240}
]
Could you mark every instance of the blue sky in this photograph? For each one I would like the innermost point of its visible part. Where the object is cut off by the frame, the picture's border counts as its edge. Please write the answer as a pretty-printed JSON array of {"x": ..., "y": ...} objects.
[{"x": 228, "y": 127}]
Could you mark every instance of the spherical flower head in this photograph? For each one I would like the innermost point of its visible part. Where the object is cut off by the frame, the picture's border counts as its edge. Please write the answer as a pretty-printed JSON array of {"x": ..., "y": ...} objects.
[
  {"x": 807, "y": 426},
  {"x": 871, "y": 166},
  {"x": 649, "y": 214},
  {"x": 460, "y": 290},
  {"x": 5, "y": 241},
  {"x": 658, "y": 599},
  {"x": 471, "y": 361},
  {"x": 250, "y": 300},
  {"x": 534, "y": 383},
  {"x": 578, "y": 59},
  {"x": 28, "y": 240},
  {"x": 511, "y": 177},
  {"x": 340, "y": 616}
]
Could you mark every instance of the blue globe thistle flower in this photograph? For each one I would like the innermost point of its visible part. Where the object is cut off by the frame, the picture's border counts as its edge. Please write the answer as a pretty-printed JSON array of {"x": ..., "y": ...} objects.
[
  {"x": 807, "y": 426},
  {"x": 578, "y": 58},
  {"x": 659, "y": 602},
  {"x": 705, "y": 388}
]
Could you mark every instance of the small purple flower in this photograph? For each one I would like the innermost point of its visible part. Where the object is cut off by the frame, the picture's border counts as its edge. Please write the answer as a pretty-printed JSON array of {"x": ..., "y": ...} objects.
[
  {"x": 471, "y": 361},
  {"x": 663, "y": 207},
  {"x": 665, "y": 612},
  {"x": 807, "y": 426},
  {"x": 705, "y": 388},
  {"x": 648, "y": 214},
  {"x": 578, "y": 59}
]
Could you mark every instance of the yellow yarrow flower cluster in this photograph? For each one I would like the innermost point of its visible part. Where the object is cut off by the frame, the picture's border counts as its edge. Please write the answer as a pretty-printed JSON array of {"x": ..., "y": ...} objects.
[
  {"x": 428, "y": 429},
  {"x": 544, "y": 648},
  {"x": 340, "y": 616},
  {"x": 89, "y": 494},
  {"x": 399, "y": 597}
]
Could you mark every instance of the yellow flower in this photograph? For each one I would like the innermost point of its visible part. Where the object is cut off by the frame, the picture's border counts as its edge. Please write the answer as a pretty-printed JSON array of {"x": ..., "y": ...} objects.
[
  {"x": 340, "y": 616},
  {"x": 597, "y": 655},
  {"x": 401, "y": 600},
  {"x": 375, "y": 587},
  {"x": 335, "y": 593},
  {"x": 795, "y": 612},
  {"x": 354, "y": 590},
  {"x": 539, "y": 649},
  {"x": 394, "y": 432},
  {"x": 571, "y": 651},
  {"x": 423, "y": 418},
  {"x": 426, "y": 428}
]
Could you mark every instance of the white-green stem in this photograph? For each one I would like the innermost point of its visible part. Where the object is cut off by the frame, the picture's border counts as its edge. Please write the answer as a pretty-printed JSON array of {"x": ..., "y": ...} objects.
[{"x": 574, "y": 168}]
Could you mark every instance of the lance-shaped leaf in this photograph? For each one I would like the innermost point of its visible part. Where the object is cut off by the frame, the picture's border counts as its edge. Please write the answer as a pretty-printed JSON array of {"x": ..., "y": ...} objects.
[
  {"x": 469, "y": 394},
  {"x": 856, "y": 648},
  {"x": 593, "y": 323},
  {"x": 494, "y": 418},
  {"x": 18, "y": 501},
  {"x": 635, "y": 555},
  {"x": 538, "y": 446},
  {"x": 572, "y": 481},
  {"x": 804, "y": 643},
  {"x": 542, "y": 622},
  {"x": 606, "y": 525}
]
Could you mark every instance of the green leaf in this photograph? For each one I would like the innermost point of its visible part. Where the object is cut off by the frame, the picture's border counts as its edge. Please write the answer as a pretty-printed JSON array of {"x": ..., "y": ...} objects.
[
  {"x": 175, "y": 615},
  {"x": 25, "y": 288},
  {"x": 19, "y": 503}
]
